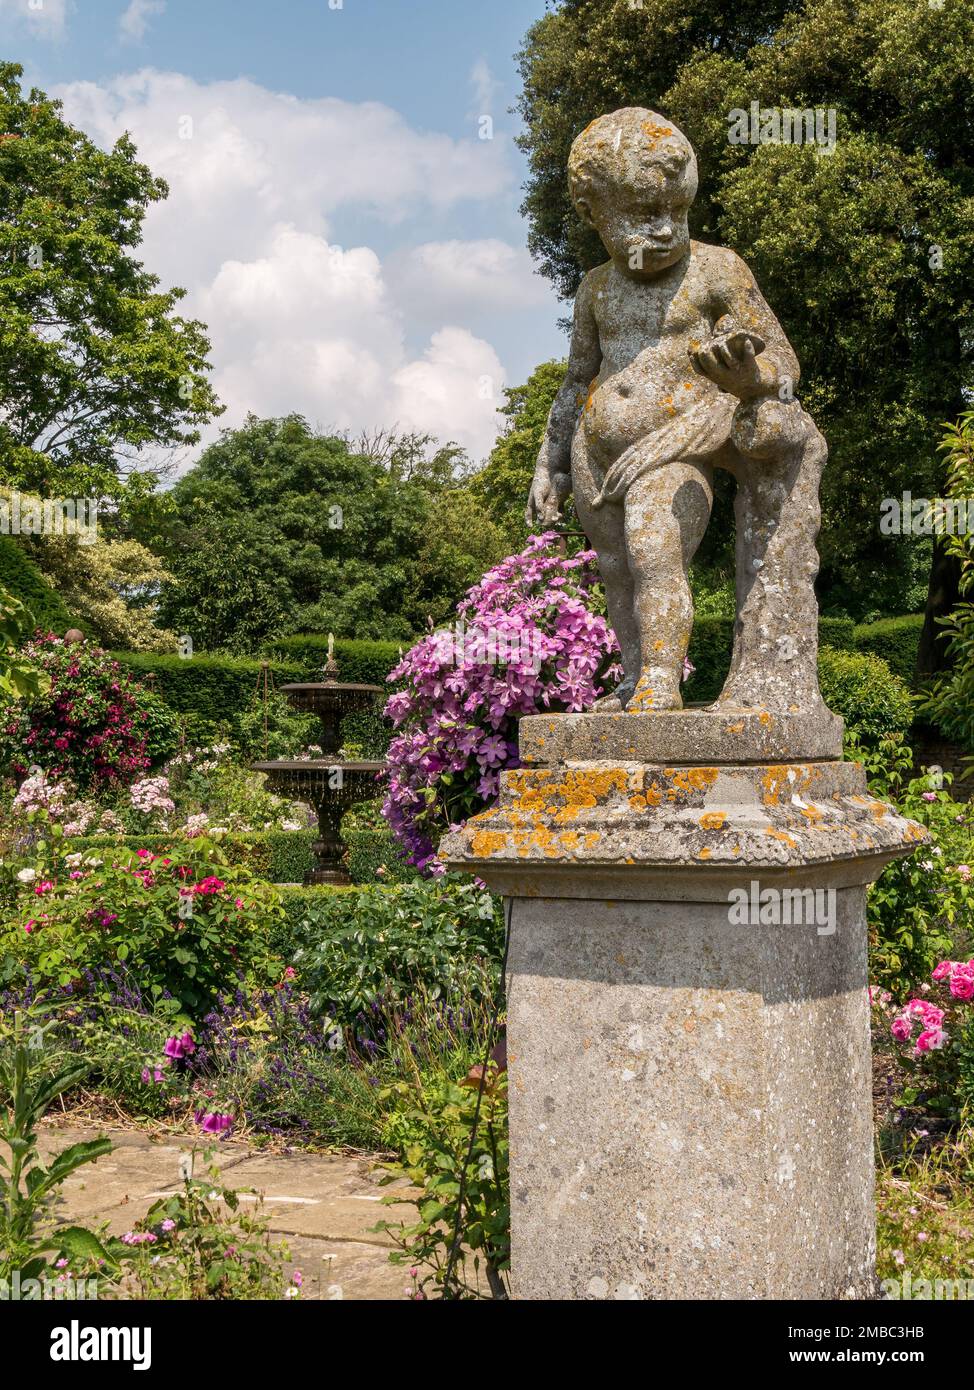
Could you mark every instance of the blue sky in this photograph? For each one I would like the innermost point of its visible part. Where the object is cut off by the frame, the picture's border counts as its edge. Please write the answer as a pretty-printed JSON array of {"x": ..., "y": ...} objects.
[{"x": 352, "y": 241}]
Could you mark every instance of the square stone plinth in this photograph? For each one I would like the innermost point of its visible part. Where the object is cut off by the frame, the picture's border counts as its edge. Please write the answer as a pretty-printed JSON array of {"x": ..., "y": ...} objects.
[{"x": 690, "y": 1103}]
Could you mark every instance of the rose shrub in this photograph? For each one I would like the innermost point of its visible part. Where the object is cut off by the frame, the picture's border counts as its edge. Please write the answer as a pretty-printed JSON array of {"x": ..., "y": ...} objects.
[
  {"x": 93, "y": 725},
  {"x": 184, "y": 927},
  {"x": 936, "y": 1039},
  {"x": 526, "y": 640}
]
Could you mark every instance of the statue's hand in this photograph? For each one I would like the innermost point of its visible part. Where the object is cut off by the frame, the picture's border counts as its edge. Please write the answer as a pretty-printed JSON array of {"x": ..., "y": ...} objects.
[
  {"x": 548, "y": 492},
  {"x": 731, "y": 362}
]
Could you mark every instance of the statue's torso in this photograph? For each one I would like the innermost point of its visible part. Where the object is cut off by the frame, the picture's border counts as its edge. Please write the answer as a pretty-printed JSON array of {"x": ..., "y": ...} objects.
[{"x": 646, "y": 329}]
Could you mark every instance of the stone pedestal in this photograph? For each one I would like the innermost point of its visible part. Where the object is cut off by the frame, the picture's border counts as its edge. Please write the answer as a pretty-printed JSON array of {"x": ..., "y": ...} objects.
[{"x": 688, "y": 1028}]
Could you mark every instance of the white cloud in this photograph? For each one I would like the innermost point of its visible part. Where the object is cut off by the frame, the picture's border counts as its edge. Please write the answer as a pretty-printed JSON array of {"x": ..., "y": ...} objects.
[
  {"x": 297, "y": 322},
  {"x": 486, "y": 89},
  {"x": 134, "y": 20},
  {"x": 45, "y": 18},
  {"x": 429, "y": 280}
]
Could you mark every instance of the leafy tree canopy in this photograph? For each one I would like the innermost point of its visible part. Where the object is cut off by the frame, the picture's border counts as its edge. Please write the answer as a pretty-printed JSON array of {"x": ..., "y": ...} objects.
[
  {"x": 94, "y": 362},
  {"x": 279, "y": 530}
]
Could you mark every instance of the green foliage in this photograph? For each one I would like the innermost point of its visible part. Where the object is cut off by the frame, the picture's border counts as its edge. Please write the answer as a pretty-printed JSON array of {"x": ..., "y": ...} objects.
[
  {"x": 185, "y": 928},
  {"x": 20, "y": 678},
  {"x": 280, "y": 530},
  {"x": 93, "y": 358},
  {"x": 30, "y": 1242},
  {"x": 361, "y": 662},
  {"x": 374, "y": 856},
  {"x": 919, "y": 904},
  {"x": 356, "y": 945},
  {"x": 895, "y": 640},
  {"x": 212, "y": 695},
  {"x": 863, "y": 690},
  {"x": 951, "y": 702},
  {"x": 866, "y": 252},
  {"x": 21, "y": 577},
  {"x": 710, "y": 652},
  {"x": 433, "y": 1124},
  {"x": 279, "y": 856},
  {"x": 502, "y": 486}
]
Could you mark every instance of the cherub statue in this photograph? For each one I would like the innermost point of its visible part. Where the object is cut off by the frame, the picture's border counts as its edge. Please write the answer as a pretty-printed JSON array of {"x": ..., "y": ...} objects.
[{"x": 677, "y": 367}]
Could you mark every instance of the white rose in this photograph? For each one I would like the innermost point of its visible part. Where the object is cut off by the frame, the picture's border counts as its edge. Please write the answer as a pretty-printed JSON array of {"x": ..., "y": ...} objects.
[{"x": 27, "y": 875}]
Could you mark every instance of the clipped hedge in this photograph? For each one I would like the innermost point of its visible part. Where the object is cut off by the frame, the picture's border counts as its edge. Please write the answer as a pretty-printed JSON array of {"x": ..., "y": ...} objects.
[
  {"x": 214, "y": 691},
  {"x": 374, "y": 857},
  {"x": 279, "y": 856},
  {"x": 895, "y": 641},
  {"x": 23, "y": 579},
  {"x": 864, "y": 691},
  {"x": 362, "y": 662},
  {"x": 713, "y": 639}
]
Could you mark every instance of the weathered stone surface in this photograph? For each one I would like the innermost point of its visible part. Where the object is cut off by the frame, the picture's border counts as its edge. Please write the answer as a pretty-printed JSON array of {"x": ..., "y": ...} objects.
[
  {"x": 690, "y": 1104},
  {"x": 677, "y": 832},
  {"x": 690, "y": 1087},
  {"x": 676, "y": 736},
  {"x": 678, "y": 366}
]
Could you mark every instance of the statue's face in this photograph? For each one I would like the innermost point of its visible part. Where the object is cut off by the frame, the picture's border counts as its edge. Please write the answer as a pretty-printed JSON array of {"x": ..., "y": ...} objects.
[{"x": 643, "y": 229}]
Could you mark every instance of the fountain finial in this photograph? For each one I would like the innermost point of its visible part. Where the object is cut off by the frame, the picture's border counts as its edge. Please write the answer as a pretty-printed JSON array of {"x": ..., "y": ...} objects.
[{"x": 330, "y": 669}]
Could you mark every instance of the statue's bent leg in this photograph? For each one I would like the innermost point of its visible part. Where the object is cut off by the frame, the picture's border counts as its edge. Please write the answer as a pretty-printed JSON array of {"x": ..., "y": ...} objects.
[
  {"x": 605, "y": 530},
  {"x": 666, "y": 516},
  {"x": 775, "y": 659}
]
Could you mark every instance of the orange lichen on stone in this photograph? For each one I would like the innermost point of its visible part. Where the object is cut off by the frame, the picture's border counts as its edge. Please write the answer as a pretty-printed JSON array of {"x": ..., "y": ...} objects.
[
  {"x": 784, "y": 779},
  {"x": 764, "y": 718},
  {"x": 487, "y": 842},
  {"x": 782, "y": 835},
  {"x": 654, "y": 132},
  {"x": 689, "y": 780},
  {"x": 879, "y": 810},
  {"x": 713, "y": 820},
  {"x": 735, "y": 728},
  {"x": 704, "y": 853}
]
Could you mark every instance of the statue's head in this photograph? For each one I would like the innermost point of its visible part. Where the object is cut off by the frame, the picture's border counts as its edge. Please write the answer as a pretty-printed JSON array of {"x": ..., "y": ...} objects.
[{"x": 632, "y": 176}]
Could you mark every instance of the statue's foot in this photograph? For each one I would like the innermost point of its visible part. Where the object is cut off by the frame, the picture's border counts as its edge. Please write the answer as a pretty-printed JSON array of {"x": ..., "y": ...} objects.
[
  {"x": 754, "y": 697},
  {"x": 616, "y": 702},
  {"x": 655, "y": 690}
]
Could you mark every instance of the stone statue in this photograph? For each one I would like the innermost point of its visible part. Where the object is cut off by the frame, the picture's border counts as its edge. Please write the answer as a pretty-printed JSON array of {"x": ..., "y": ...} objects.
[{"x": 677, "y": 367}]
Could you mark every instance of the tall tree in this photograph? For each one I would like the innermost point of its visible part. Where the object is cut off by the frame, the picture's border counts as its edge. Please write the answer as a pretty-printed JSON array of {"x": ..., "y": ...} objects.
[
  {"x": 94, "y": 362},
  {"x": 279, "y": 529},
  {"x": 502, "y": 485},
  {"x": 866, "y": 251}
]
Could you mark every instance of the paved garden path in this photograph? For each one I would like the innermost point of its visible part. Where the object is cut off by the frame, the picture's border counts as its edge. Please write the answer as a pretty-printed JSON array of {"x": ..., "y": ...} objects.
[{"x": 323, "y": 1205}]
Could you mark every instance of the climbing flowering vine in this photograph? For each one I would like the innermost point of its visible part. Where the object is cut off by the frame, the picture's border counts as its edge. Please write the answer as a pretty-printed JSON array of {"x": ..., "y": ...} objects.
[{"x": 527, "y": 639}]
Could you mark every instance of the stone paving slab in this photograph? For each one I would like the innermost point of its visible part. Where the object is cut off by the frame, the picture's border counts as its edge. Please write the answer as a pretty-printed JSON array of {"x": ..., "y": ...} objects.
[{"x": 322, "y": 1204}]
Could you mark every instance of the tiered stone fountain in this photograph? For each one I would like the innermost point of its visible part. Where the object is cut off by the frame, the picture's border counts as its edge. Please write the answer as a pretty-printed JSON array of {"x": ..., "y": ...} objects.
[{"x": 328, "y": 783}]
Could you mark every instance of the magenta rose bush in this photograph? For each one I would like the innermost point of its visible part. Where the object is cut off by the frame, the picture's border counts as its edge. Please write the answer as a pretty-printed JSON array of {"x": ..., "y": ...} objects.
[
  {"x": 185, "y": 927},
  {"x": 526, "y": 640},
  {"x": 934, "y": 1035},
  {"x": 94, "y": 726}
]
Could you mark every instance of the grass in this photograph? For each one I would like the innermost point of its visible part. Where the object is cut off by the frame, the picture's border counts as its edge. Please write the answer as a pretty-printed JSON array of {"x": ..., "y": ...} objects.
[{"x": 925, "y": 1210}]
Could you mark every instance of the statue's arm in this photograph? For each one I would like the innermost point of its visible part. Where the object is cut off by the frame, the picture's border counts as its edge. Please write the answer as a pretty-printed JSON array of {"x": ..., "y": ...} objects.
[
  {"x": 552, "y": 474},
  {"x": 740, "y": 309}
]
